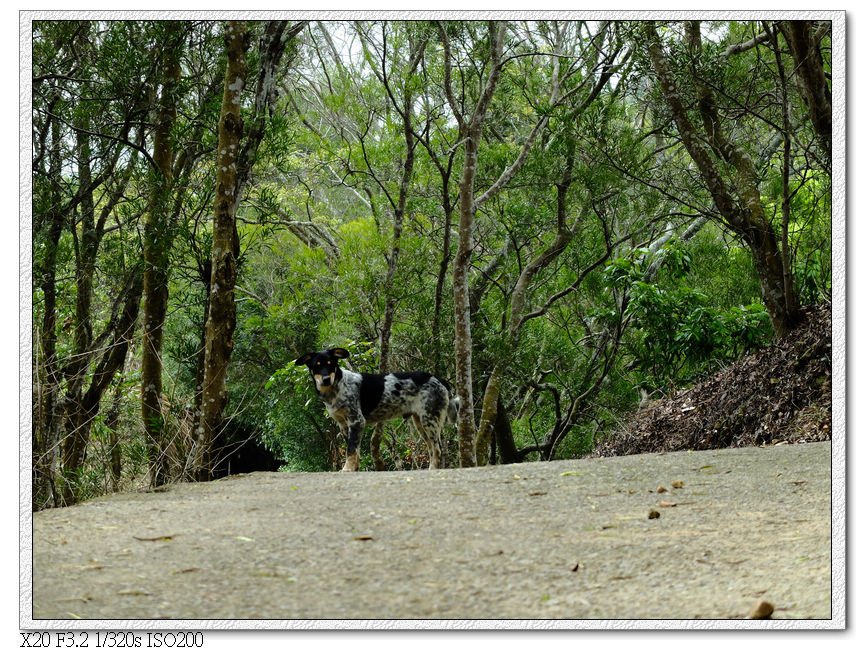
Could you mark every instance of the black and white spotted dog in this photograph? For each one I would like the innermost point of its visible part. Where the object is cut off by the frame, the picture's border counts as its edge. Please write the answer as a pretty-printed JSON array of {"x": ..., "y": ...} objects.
[{"x": 355, "y": 399}]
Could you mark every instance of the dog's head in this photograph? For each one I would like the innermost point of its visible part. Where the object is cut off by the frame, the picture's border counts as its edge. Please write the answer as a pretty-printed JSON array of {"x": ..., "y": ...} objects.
[{"x": 324, "y": 367}]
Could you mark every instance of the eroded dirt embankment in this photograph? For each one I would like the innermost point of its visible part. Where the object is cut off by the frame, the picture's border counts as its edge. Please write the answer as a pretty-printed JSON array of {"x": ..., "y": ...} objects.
[{"x": 781, "y": 393}]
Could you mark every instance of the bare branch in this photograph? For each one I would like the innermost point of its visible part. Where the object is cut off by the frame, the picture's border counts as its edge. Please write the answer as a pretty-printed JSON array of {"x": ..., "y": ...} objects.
[
  {"x": 738, "y": 48},
  {"x": 448, "y": 83}
]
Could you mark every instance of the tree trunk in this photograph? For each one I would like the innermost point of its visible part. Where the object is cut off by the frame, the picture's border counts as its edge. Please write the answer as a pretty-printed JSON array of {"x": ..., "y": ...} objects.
[
  {"x": 445, "y": 170},
  {"x": 406, "y": 112},
  {"x": 82, "y": 407},
  {"x": 743, "y": 212},
  {"x": 204, "y": 272},
  {"x": 112, "y": 423},
  {"x": 442, "y": 275},
  {"x": 781, "y": 302},
  {"x": 47, "y": 388},
  {"x": 75, "y": 440},
  {"x": 492, "y": 402},
  {"x": 158, "y": 240},
  {"x": 504, "y": 436},
  {"x": 786, "y": 256},
  {"x": 470, "y": 132},
  {"x": 221, "y": 318},
  {"x": 462, "y": 308},
  {"x": 804, "y": 42},
  {"x": 489, "y": 412},
  {"x": 235, "y": 157},
  {"x": 375, "y": 447},
  {"x": 393, "y": 259}
]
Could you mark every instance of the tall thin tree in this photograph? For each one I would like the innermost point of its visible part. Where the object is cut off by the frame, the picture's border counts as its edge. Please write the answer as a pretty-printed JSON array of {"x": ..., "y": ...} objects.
[
  {"x": 221, "y": 318},
  {"x": 236, "y": 155},
  {"x": 158, "y": 236},
  {"x": 471, "y": 130}
]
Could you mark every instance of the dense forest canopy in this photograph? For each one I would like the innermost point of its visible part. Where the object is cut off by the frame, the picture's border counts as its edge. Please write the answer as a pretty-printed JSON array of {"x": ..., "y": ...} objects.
[{"x": 560, "y": 218}]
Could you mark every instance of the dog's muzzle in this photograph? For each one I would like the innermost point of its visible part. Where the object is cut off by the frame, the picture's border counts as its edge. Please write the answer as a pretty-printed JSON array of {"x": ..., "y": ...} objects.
[{"x": 324, "y": 381}]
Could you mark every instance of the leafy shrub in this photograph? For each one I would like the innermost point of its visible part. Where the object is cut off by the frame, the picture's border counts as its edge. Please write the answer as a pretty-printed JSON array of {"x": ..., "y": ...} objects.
[{"x": 676, "y": 335}]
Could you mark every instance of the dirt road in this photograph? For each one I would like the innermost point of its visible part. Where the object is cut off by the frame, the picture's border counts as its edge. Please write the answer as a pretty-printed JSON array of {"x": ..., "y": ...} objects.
[{"x": 562, "y": 540}]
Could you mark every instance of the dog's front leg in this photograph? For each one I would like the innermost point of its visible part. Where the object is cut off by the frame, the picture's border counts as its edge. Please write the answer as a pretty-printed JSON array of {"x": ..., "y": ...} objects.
[{"x": 352, "y": 460}]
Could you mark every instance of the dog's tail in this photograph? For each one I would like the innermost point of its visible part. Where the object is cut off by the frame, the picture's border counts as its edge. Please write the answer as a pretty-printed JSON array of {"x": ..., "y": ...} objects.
[{"x": 453, "y": 410}]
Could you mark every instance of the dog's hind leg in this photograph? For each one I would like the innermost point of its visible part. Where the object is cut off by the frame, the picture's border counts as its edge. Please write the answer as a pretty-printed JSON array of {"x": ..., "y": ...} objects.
[
  {"x": 437, "y": 459},
  {"x": 431, "y": 433}
]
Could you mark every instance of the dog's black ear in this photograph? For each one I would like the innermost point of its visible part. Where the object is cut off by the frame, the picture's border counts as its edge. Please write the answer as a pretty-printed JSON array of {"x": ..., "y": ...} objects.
[
  {"x": 305, "y": 359},
  {"x": 339, "y": 353}
]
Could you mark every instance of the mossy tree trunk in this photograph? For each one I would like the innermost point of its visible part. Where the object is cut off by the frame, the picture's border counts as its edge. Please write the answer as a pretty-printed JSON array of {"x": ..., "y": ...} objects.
[
  {"x": 221, "y": 318},
  {"x": 736, "y": 199},
  {"x": 236, "y": 155},
  {"x": 46, "y": 373},
  {"x": 158, "y": 240},
  {"x": 803, "y": 37}
]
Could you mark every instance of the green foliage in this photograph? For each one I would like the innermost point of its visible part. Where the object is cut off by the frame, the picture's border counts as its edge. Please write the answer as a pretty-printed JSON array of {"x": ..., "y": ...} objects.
[
  {"x": 677, "y": 333},
  {"x": 295, "y": 421},
  {"x": 316, "y": 224}
]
